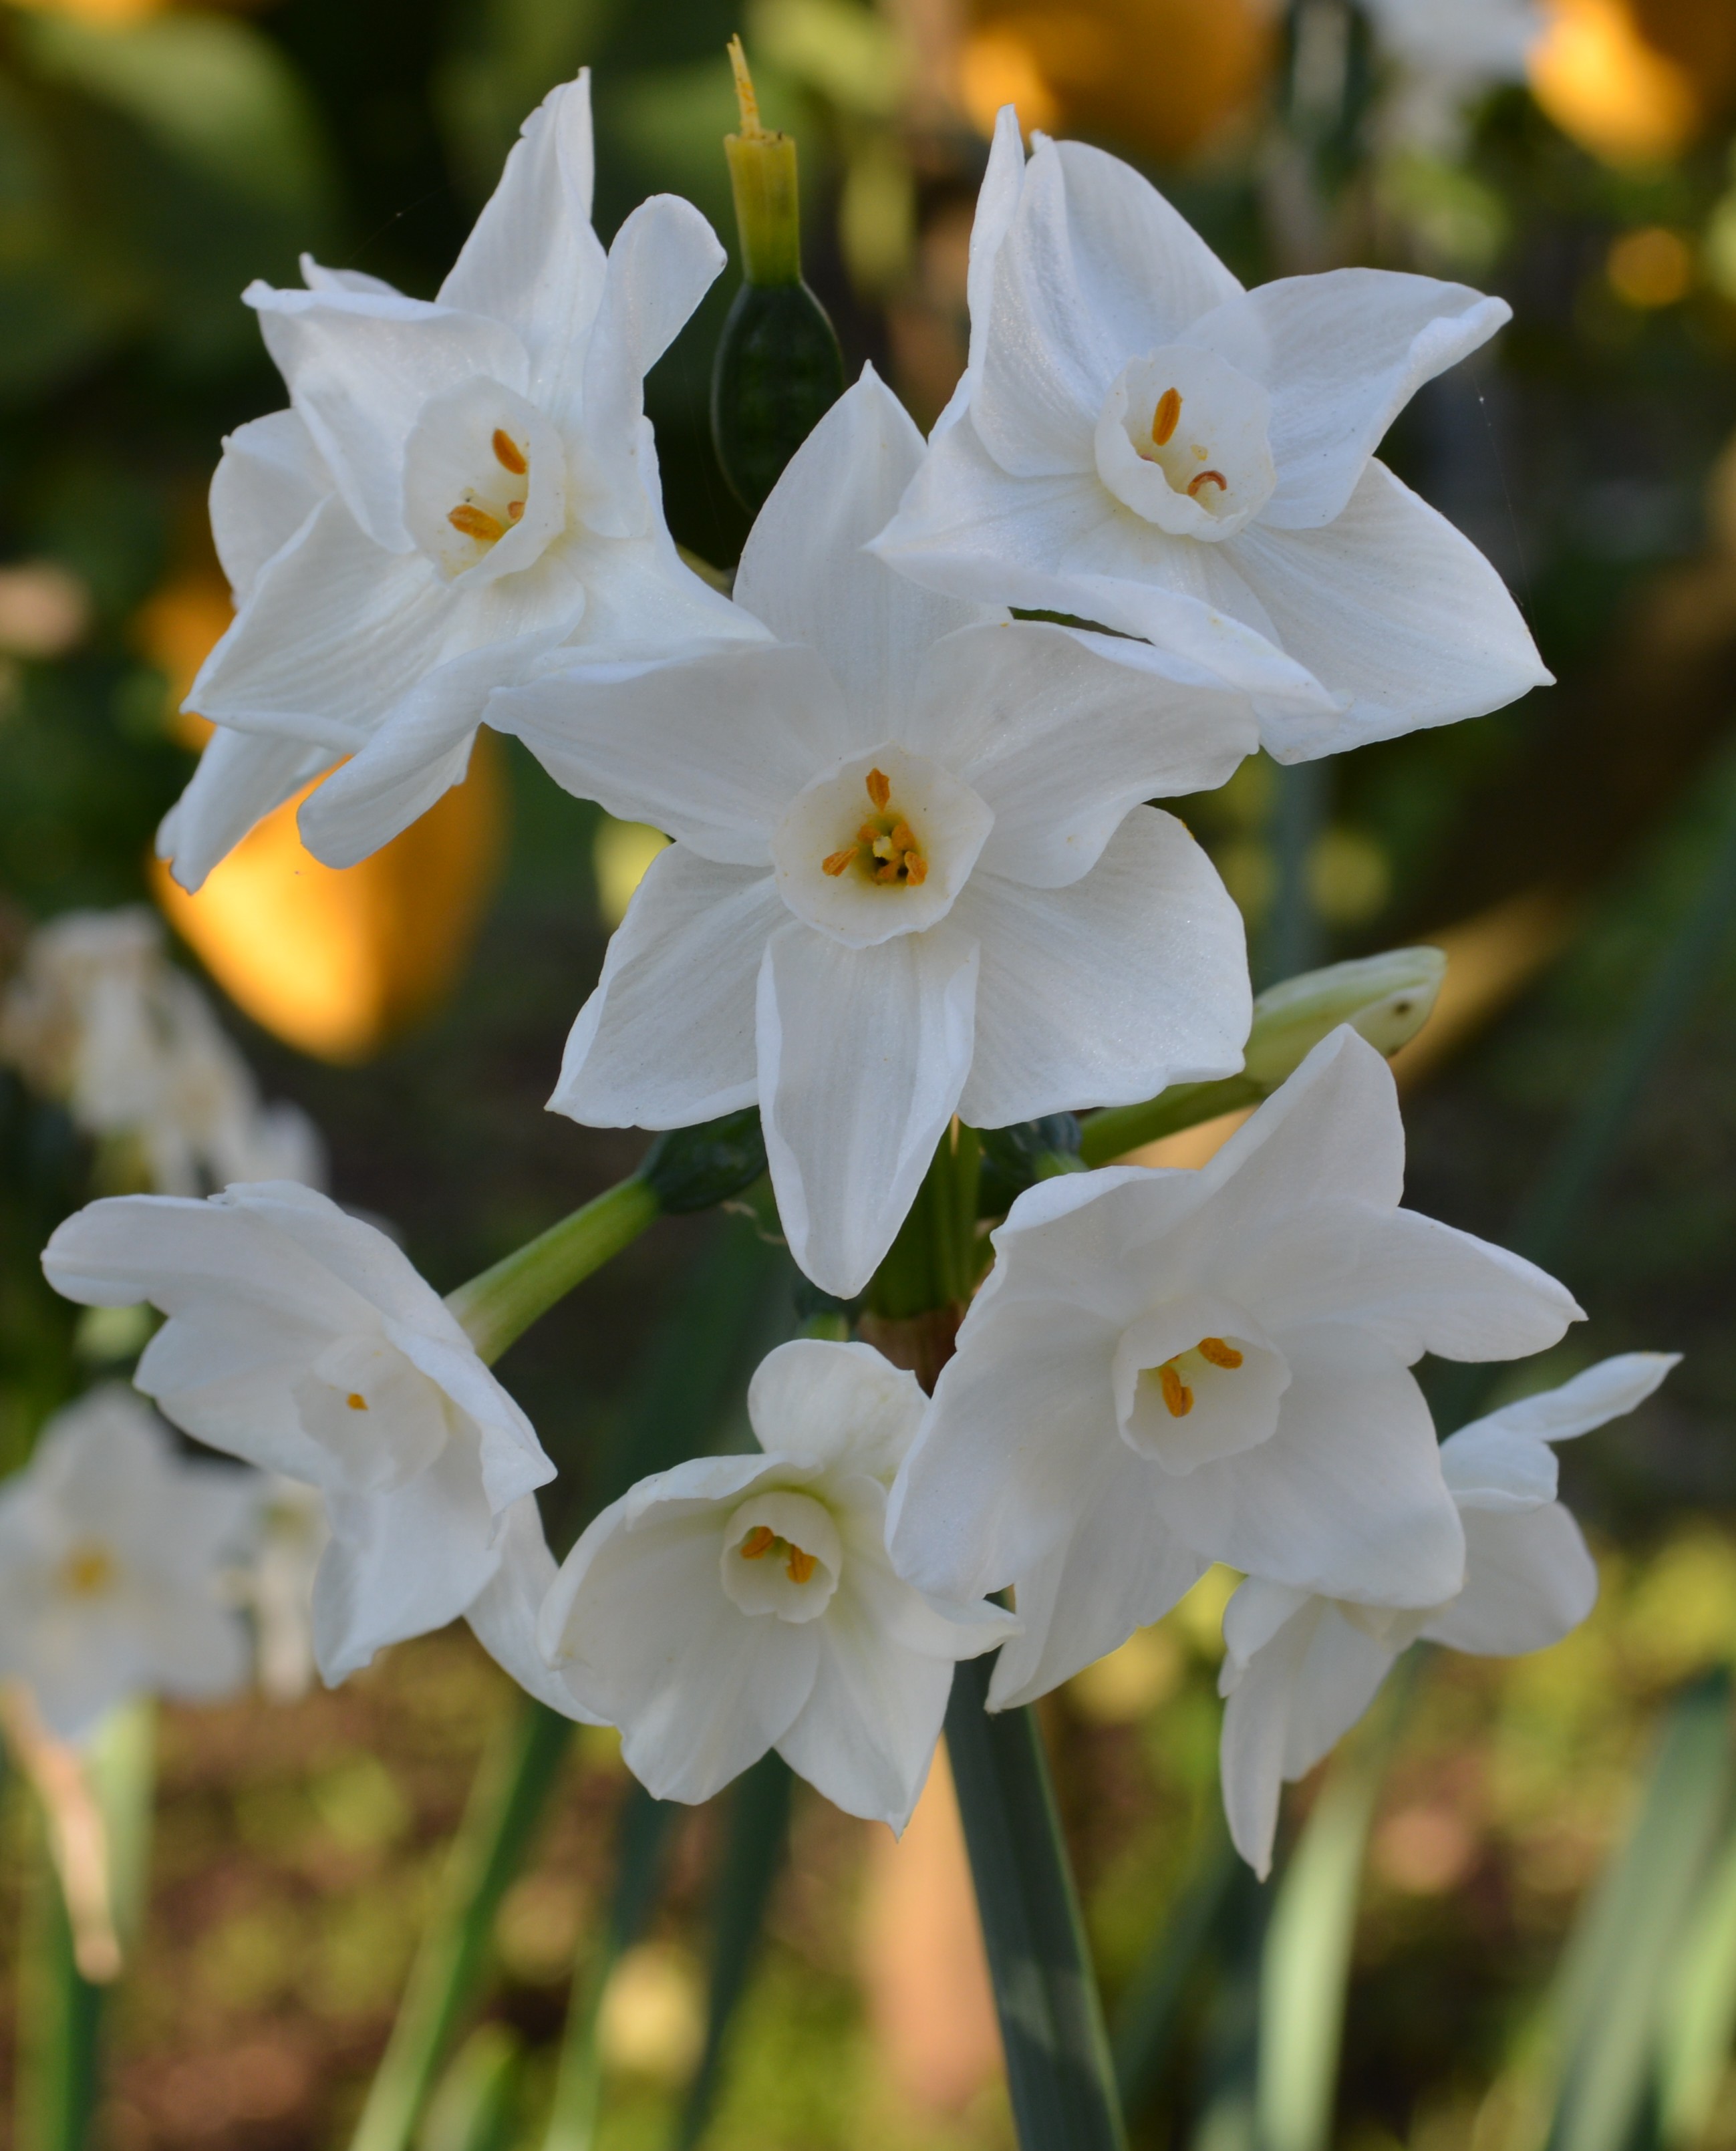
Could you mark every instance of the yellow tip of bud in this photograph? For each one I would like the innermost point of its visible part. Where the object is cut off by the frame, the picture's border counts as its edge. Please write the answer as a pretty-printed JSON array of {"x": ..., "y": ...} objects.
[{"x": 753, "y": 128}]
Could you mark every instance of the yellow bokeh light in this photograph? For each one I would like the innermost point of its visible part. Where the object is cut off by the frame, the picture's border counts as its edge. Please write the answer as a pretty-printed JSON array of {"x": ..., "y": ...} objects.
[
  {"x": 1601, "y": 82},
  {"x": 1650, "y": 268},
  {"x": 997, "y": 68}
]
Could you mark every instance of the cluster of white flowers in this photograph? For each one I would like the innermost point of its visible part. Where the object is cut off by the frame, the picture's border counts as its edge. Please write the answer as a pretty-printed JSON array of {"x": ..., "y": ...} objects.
[
  {"x": 914, "y": 875},
  {"x": 98, "y": 1017}
]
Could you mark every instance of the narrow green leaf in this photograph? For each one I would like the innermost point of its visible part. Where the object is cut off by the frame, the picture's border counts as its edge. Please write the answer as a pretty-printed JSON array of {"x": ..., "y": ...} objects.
[
  {"x": 516, "y": 1773},
  {"x": 60, "y": 2015},
  {"x": 1230, "y": 2060},
  {"x": 753, "y": 1861},
  {"x": 474, "y": 2106},
  {"x": 1605, "y": 2015},
  {"x": 1059, "y": 2070},
  {"x": 1699, "y": 2013},
  {"x": 1150, "y": 2014}
]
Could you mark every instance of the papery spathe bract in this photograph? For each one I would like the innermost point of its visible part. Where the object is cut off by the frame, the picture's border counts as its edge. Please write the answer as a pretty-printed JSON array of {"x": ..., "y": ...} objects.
[
  {"x": 1301, "y": 1668},
  {"x": 460, "y": 486},
  {"x": 113, "y": 1552},
  {"x": 739, "y": 1603},
  {"x": 912, "y": 873},
  {"x": 1139, "y": 441},
  {"x": 302, "y": 1340},
  {"x": 1167, "y": 1369}
]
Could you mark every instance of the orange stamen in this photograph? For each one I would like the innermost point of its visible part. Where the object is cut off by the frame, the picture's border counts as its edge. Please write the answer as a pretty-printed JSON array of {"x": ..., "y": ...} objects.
[
  {"x": 514, "y": 509},
  {"x": 476, "y": 523},
  {"x": 357, "y": 1401},
  {"x": 1176, "y": 1394},
  {"x": 1218, "y": 1352},
  {"x": 800, "y": 1565},
  {"x": 507, "y": 453},
  {"x": 879, "y": 789},
  {"x": 916, "y": 869},
  {"x": 839, "y": 861},
  {"x": 758, "y": 1542},
  {"x": 1165, "y": 417},
  {"x": 1207, "y": 478}
]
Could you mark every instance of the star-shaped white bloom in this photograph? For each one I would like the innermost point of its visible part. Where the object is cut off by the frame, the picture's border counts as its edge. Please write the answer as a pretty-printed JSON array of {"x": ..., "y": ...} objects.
[
  {"x": 911, "y": 874},
  {"x": 1301, "y": 1668},
  {"x": 113, "y": 1554},
  {"x": 1167, "y": 1369},
  {"x": 302, "y": 1340},
  {"x": 739, "y": 1603},
  {"x": 460, "y": 486},
  {"x": 1138, "y": 441}
]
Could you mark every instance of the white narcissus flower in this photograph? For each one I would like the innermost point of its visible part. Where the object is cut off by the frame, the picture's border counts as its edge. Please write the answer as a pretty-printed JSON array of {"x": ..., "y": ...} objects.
[
  {"x": 1139, "y": 441},
  {"x": 1302, "y": 1668},
  {"x": 912, "y": 875},
  {"x": 739, "y": 1603},
  {"x": 113, "y": 1551},
  {"x": 460, "y": 485},
  {"x": 302, "y": 1340},
  {"x": 1167, "y": 1369}
]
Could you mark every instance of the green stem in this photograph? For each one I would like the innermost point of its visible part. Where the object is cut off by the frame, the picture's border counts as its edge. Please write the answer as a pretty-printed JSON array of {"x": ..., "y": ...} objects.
[
  {"x": 1059, "y": 2070},
  {"x": 1118, "y": 1129},
  {"x": 517, "y": 1772},
  {"x": 500, "y": 1305},
  {"x": 60, "y": 2024}
]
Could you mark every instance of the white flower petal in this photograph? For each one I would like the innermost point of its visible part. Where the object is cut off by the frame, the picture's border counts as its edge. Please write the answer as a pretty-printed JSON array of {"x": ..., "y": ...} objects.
[
  {"x": 996, "y": 202},
  {"x": 1608, "y": 1390},
  {"x": 1332, "y": 1129},
  {"x": 360, "y": 365},
  {"x": 711, "y": 746},
  {"x": 664, "y": 260},
  {"x": 863, "y": 1054},
  {"x": 270, "y": 481},
  {"x": 667, "y": 1039},
  {"x": 1120, "y": 1570},
  {"x": 805, "y": 571},
  {"x": 1346, "y": 1499},
  {"x": 816, "y": 1401},
  {"x": 1342, "y": 355},
  {"x": 503, "y": 1615},
  {"x": 1392, "y": 609},
  {"x": 532, "y": 259},
  {"x": 1103, "y": 992},
  {"x": 1063, "y": 732},
  {"x": 240, "y": 778},
  {"x": 1096, "y": 269},
  {"x": 1528, "y": 1580}
]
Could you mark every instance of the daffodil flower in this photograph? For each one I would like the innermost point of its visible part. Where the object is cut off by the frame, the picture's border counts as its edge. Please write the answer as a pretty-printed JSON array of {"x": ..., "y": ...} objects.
[
  {"x": 1302, "y": 1667},
  {"x": 740, "y": 1603},
  {"x": 302, "y": 1340},
  {"x": 1167, "y": 1369},
  {"x": 459, "y": 486},
  {"x": 1139, "y": 441},
  {"x": 113, "y": 1551},
  {"x": 911, "y": 874}
]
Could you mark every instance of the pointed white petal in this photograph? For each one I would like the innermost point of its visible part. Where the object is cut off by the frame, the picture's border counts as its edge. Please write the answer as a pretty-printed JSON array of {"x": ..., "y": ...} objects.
[
  {"x": 997, "y": 199},
  {"x": 806, "y": 573},
  {"x": 866, "y": 1735},
  {"x": 667, "y": 1039},
  {"x": 819, "y": 1402},
  {"x": 270, "y": 481},
  {"x": 1608, "y": 1390},
  {"x": 1393, "y": 608},
  {"x": 863, "y": 1054},
  {"x": 1342, "y": 354},
  {"x": 533, "y": 259},
  {"x": 1105, "y": 991},
  {"x": 711, "y": 747},
  {"x": 503, "y": 1615},
  {"x": 1529, "y": 1580},
  {"x": 241, "y": 776},
  {"x": 511, "y": 1461},
  {"x": 360, "y": 365},
  {"x": 1062, "y": 733},
  {"x": 1331, "y": 1129},
  {"x": 665, "y": 259}
]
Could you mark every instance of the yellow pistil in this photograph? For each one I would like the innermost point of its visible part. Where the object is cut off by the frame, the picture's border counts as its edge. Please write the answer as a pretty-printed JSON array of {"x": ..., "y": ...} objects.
[
  {"x": 89, "y": 1570},
  {"x": 1166, "y": 417},
  {"x": 762, "y": 1539},
  {"x": 886, "y": 848},
  {"x": 507, "y": 453},
  {"x": 474, "y": 522},
  {"x": 1207, "y": 478},
  {"x": 357, "y": 1401}
]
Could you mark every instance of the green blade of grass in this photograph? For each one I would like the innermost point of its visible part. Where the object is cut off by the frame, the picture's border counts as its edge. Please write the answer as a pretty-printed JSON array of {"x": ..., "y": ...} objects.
[{"x": 1149, "y": 2017}]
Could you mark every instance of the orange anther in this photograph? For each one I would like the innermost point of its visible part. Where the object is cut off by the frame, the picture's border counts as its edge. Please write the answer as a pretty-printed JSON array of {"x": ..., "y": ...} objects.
[
  {"x": 1176, "y": 1394},
  {"x": 758, "y": 1542},
  {"x": 916, "y": 869},
  {"x": 879, "y": 788},
  {"x": 903, "y": 836},
  {"x": 357, "y": 1401},
  {"x": 889, "y": 872},
  {"x": 514, "y": 509},
  {"x": 1207, "y": 478},
  {"x": 838, "y": 862},
  {"x": 800, "y": 1565},
  {"x": 476, "y": 523},
  {"x": 507, "y": 453},
  {"x": 1218, "y": 1352},
  {"x": 1165, "y": 417}
]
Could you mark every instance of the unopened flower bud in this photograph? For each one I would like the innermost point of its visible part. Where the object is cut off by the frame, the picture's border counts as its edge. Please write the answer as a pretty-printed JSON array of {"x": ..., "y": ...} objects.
[{"x": 1386, "y": 999}]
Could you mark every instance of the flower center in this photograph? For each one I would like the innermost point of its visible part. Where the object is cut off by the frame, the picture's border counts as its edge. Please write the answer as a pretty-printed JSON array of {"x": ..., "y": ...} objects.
[
  {"x": 1165, "y": 419},
  {"x": 886, "y": 850},
  {"x": 762, "y": 1540},
  {"x": 1176, "y": 1379},
  {"x": 488, "y": 520},
  {"x": 89, "y": 1570},
  {"x": 782, "y": 1555},
  {"x": 1183, "y": 441}
]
